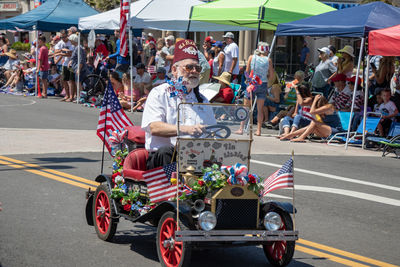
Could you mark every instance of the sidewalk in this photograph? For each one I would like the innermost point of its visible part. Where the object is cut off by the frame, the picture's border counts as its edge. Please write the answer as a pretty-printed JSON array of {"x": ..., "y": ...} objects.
[{"x": 43, "y": 141}]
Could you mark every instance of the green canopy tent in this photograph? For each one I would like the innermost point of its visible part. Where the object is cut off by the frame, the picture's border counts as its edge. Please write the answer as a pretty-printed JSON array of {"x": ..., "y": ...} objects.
[
  {"x": 263, "y": 14},
  {"x": 258, "y": 14}
]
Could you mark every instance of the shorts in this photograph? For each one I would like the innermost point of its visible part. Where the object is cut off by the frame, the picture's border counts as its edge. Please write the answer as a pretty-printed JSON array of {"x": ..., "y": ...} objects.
[
  {"x": 336, "y": 130},
  {"x": 67, "y": 74},
  {"x": 260, "y": 92},
  {"x": 270, "y": 103},
  {"x": 43, "y": 74}
]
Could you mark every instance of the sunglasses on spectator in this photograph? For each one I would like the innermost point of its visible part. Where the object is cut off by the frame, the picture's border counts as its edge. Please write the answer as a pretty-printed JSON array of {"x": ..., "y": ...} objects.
[
  {"x": 190, "y": 67},
  {"x": 350, "y": 83}
]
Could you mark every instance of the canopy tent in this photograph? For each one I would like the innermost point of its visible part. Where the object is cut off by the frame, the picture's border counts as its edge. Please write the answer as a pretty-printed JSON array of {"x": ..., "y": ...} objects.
[
  {"x": 350, "y": 22},
  {"x": 357, "y": 21},
  {"x": 257, "y": 13},
  {"x": 53, "y": 15},
  {"x": 384, "y": 42},
  {"x": 173, "y": 15}
]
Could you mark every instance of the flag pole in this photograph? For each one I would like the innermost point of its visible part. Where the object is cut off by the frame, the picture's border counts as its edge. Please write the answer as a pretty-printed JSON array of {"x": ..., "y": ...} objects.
[
  {"x": 130, "y": 53},
  {"x": 293, "y": 201},
  {"x": 104, "y": 135}
]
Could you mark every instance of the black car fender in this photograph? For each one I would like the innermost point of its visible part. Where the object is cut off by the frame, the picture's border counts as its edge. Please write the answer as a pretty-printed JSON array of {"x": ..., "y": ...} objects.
[
  {"x": 155, "y": 214},
  {"x": 272, "y": 205}
]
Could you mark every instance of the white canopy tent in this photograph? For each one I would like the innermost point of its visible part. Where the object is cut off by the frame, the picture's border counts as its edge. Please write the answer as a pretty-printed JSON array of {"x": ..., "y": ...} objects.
[{"x": 172, "y": 15}]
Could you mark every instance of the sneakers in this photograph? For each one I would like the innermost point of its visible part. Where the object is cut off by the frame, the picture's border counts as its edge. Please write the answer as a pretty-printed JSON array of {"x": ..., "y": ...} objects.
[{"x": 269, "y": 125}]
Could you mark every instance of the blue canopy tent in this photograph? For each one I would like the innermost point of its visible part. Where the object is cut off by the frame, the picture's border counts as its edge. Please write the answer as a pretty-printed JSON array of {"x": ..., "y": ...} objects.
[
  {"x": 357, "y": 21},
  {"x": 53, "y": 15}
]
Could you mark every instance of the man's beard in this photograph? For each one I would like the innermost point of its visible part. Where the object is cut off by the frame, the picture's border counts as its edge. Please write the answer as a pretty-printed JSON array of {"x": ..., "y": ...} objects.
[{"x": 192, "y": 81}]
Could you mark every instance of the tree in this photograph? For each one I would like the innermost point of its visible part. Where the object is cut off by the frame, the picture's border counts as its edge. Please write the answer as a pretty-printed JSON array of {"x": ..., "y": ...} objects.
[{"x": 103, "y": 5}]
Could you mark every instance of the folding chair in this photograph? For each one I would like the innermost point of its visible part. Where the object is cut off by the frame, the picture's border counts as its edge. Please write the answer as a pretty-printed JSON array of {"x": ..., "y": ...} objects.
[
  {"x": 236, "y": 92},
  {"x": 370, "y": 126},
  {"x": 392, "y": 142}
]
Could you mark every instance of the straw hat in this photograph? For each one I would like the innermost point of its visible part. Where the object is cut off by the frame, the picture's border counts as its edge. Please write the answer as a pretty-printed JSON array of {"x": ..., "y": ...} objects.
[
  {"x": 12, "y": 54},
  {"x": 348, "y": 50},
  {"x": 225, "y": 77}
]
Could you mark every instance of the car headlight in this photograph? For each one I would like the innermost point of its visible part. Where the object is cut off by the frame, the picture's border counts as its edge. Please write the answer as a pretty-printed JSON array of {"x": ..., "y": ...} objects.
[
  {"x": 207, "y": 220},
  {"x": 272, "y": 221}
]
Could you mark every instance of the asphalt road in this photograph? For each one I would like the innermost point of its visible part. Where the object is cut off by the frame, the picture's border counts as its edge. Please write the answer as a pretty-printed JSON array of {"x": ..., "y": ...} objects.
[{"x": 348, "y": 207}]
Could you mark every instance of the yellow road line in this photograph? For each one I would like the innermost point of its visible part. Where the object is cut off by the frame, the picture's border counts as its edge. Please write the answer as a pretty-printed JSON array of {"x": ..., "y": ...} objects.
[
  {"x": 67, "y": 175},
  {"x": 48, "y": 175},
  {"x": 21, "y": 165},
  {"x": 345, "y": 253},
  {"x": 329, "y": 257}
]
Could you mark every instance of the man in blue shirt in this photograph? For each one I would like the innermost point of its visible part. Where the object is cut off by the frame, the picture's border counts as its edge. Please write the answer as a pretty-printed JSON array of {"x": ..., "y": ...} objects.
[
  {"x": 304, "y": 55},
  {"x": 122, "y": 62}
]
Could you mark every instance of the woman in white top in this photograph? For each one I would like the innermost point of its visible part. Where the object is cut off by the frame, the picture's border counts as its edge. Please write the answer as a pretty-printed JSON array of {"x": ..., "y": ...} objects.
[{"x": 219, "y": 59}]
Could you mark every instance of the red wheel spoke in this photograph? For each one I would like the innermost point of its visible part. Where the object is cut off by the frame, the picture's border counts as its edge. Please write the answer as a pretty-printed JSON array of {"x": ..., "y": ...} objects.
[{"x": 178, "y": 249}]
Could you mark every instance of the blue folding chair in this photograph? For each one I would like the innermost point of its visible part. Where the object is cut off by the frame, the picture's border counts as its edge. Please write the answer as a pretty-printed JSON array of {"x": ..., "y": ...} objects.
[
  {"x": 393, "y": 131},
  {"x": 236, "y": 92},
  {"x": 354, "y": 138}
]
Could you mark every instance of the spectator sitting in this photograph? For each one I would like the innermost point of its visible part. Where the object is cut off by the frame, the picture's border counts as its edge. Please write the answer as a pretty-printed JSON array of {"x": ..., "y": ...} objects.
[
  {"x": 290, "y": 99},
  {"x": 128, "y": 94},
  {"x": 341, "y": 97},
  {"x": 55, "y": 79},
  {"x": 30, "y": 74},
  {"x": 301, "y": 116},
  {"x": 116, "y": 83},
  {"x": 161, "y": 75},
  {"x": 12, "y": 63},
  {"x": 389, "y": 112},
  {"x": 225, "y": 94},
  {"x": 345, "y": 62},
  {"x": 273, "y": 98},
  {"x": 359, "y": 98},
  {"x": 142, "y": 79},
  {"x": 384, "y": 74},
  {"x": 16, "y": 82},
  {"x": 327, "y": 121}
]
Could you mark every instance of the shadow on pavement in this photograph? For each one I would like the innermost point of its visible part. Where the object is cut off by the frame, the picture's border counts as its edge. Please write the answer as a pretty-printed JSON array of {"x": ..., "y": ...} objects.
[{"x": 66, "y": 159}]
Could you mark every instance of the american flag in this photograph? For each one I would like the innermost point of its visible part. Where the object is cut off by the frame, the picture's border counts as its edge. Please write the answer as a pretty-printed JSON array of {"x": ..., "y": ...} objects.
[
  {"x": 124, "y": 10},
  {"x": 158, "y": 183},
  {"x": 282, "y": 178},
  {"x": 112, "y": 116}
]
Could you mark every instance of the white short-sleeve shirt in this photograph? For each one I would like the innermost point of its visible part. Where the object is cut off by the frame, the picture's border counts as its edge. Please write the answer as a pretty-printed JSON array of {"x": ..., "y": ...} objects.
[
  {"x": 387, "y": 108},
  {"x": 231, "y": 51},
  {"x": 145, "y": 78},
  {"x": 160, "y": 106}
]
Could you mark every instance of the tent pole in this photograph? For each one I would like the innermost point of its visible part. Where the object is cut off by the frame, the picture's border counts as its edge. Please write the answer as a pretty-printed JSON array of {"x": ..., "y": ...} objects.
[
  {"x": 36, "y": 58},
  {"x": 130, "y": 54},
  {"x": 272, "y": 47},
  {"x": 78, "y": 73},
  {"x": 355, "y": 89},
  {"x": 258, "y": 33},
  {"x": 190, "y": 20},
  {"x": 365, "y": 100}
]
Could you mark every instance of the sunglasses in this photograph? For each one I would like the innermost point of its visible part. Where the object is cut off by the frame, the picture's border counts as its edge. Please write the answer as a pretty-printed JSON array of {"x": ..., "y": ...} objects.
[
  {"x": 350, "y": 83},
  {"x": 190, "y": 67}
]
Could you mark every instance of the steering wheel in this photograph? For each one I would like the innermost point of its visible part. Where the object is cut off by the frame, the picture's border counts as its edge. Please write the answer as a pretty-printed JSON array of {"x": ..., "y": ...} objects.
[{"x": 216, "y": 131}]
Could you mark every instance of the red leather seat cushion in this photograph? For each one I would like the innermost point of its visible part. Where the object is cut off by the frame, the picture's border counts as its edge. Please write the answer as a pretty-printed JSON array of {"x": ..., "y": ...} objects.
[
  {"x": 135, "y": 164},
  {"x": 136, "y": 134}
]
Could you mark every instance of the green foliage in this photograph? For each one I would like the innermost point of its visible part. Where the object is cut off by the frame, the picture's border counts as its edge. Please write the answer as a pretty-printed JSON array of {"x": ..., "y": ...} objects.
[
  {"x": 103, "y": 5},
  {"x": 19, "y": 46}
]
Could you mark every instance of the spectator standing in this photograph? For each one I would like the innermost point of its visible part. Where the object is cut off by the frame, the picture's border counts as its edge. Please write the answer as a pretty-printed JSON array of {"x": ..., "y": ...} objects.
[
  {"x": 43, "y": 64},
  {"x": 231, "y": 55},
  {"x": 151, "y": 60},
  {"x": 78, "y": 66},
  {"x": 304, "y": 56},
  {"x": 122, "y": 62},
  {"x": 68, "y": 77},
  {"x": 332, "y": 55},
  {"x": 161, "y": 55},
  {"x": 170, "y": 42},
  {"x": 218, "y": 63},
  {"x": 384, "y": 74},
  {"x": 323, "y": 72},
  {"x": 207, "y": 46},
  {"x": 142, "y": 79}
]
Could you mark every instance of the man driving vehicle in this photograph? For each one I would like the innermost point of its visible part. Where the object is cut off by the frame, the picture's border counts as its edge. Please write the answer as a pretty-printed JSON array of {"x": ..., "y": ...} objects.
[{"x": 161, "y": 111}]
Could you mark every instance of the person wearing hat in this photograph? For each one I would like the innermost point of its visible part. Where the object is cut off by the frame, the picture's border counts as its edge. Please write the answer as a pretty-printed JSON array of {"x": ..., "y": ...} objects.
[
  {"x": 142, "y": 79},
  {"x": 161, "y": 76},
  {"x": 346, "y": 61},
  {"x": 231, "y": 51},
  {"x": 225, "y": 94},
  {"x": 101, "y": 48},
  {"x": 341, "y": 97},
  {"x": 219, "y": 59},
  {"x": 359, "y": 98},
  {"x": 207, "y": 47},
  {"x": 324, "y": 70},
  {"x": 160, "y": 113}
]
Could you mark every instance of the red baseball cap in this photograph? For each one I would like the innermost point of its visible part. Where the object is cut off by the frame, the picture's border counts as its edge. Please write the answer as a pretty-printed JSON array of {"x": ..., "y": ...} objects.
[
  {"x": 209, "y": 39},
  {"x": 32, "y": 60},
  {"x": 353, "y": 80},
  {"x": 185, "y": 49},
  {"x": 339, "y": 77}
]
